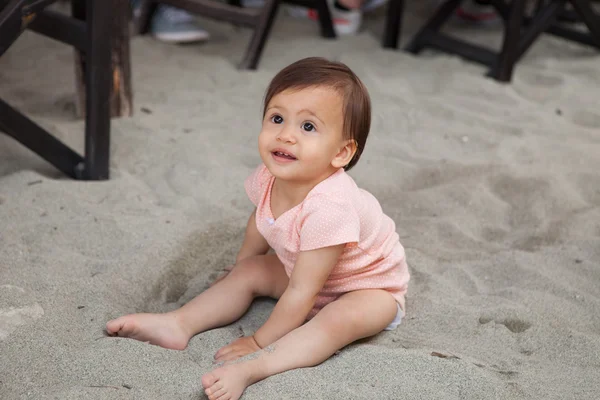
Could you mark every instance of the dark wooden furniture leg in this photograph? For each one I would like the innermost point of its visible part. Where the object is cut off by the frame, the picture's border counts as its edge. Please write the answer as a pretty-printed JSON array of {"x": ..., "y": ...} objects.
[
  {"x": 325, "y": 20},
  {"x": 429, "y": 31},
  {"x": 589, "y": 17},
  {"x": 38, "y": 140},
  {"x": 95, "y": 64},
  {"x": 539, "y": 24},
  {"x": 260, "y": 20},
  {"x": 510, "y": 45},
  {"x": 393, "y": 24},
  {"x": 147, "y": 10},
  {"x": 15, "y": 17},
  {"x": 520, "y": 32},
  {"x": 90, "y": 34},
  {"x": 265, "y": 23},
  {"x": 31, "y": 14},
  {"x": 259, "y": 37},
  {"x": 98, "y": 86},
  {"x": 121, "y": 97}
]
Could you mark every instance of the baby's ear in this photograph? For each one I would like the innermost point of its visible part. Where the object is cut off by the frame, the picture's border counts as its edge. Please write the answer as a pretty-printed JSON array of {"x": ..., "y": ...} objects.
[{"x": 345, "y": 155}]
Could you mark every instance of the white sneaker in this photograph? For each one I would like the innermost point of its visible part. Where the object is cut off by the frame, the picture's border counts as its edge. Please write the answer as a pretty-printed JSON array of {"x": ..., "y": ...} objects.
[
  {"x": 346, "y": 22},
  {"x": 174, "y": 25}
]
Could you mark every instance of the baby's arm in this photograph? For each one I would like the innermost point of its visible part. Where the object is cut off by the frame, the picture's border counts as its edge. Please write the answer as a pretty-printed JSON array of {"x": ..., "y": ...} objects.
[
  {"x": 254, "y": 243},
  {"x": 308, "y": 278}
]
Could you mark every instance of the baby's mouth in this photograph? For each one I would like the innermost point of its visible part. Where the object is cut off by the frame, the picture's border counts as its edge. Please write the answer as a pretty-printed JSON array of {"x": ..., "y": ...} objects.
[{"x": 287, "y": 156}]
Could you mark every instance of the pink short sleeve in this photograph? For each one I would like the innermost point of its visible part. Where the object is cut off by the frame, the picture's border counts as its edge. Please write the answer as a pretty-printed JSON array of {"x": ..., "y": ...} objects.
[
  {"x": 328, "y": 220},
  {"x": 257, "y": 183}
]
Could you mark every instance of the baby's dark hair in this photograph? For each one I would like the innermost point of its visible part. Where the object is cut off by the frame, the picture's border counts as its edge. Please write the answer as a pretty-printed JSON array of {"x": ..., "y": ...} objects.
[{"x": 316, "y": 71}]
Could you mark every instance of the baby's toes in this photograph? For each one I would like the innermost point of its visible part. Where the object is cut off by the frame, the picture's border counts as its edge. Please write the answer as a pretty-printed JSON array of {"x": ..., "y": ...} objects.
[
  {"x": 226, "y": 396},
  {"x": 115, "y": 325},
  {"x": 208, "y": 381},
  {"x": 218, "y": 395}
]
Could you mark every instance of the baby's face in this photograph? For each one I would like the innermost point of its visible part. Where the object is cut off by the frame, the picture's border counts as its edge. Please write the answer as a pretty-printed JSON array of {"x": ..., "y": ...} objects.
[{"x": 302, "y": 134}]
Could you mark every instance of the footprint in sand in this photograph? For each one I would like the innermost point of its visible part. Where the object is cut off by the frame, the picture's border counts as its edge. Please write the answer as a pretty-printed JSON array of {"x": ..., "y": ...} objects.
[
  {"x": 542, "y": 80},
  {"x": 514, "y": 325},
  {"x": 527, "y": 214},
  {"x": 203, "y": 257},
  {"x": 587, "y": 119},
  {"x": 16, "y": 309}
]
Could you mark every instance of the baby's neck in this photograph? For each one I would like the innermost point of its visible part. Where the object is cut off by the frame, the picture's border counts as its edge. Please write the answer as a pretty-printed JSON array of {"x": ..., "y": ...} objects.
[{"x": 292, "y": 193}]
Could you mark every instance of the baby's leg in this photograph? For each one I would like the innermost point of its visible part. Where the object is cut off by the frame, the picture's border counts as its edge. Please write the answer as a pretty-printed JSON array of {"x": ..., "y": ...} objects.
[
  {"x": 219, "y": 305},
  {"x": 353, "y": 316}
]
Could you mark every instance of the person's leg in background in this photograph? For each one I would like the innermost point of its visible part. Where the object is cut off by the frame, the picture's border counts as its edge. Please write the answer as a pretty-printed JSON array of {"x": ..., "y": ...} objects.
[
  {"x": 173, "y": 25},
  {"x": 347, "y": 14}
]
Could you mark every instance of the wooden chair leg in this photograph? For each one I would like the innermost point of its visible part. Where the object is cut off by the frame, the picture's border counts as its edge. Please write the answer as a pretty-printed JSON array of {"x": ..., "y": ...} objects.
[
  {"x": 442, "y": 14},
  {"x": 10, "y": 24},
  {"x": 147, "y": 10},
  {"x": 259, "y": 37},
  {"x": 15, "y": 16},
  {"x": 541, "y": 23},
  {"x": 98, "y": 83},
  {"x": 325, "y": 20},
  {"x": 38, "y": 140},
  {"x": 510, "y": 46},
  {"x": 393, "y": 24},
  {"x": 589, "y": 17},
  {"x": 502, "y": 8}
]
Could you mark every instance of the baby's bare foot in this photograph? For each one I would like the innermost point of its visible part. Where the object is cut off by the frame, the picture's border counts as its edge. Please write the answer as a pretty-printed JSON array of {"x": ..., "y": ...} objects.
[
  {"x": 227, "y": 383},
  {"x": 159, "y": 329}
]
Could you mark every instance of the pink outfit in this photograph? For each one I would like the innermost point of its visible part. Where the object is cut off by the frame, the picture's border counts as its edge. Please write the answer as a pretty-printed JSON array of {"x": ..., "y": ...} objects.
[{"x": 335, "y": 211}]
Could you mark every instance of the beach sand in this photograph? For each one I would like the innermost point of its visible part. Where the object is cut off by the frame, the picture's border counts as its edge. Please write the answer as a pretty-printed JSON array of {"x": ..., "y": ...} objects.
[{"x": 495, "y": 190}]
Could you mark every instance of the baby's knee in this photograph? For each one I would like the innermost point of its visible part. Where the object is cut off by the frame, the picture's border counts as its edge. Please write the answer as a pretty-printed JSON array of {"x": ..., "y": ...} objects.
[
  {"x": 250, "y": 270},
  {"x": 264, "y": 275},
  {"x": 242, "y": 268}
]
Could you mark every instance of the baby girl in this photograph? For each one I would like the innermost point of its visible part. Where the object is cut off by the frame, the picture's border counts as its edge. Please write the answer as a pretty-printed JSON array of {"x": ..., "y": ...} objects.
[{"x": 337, "y": 267}]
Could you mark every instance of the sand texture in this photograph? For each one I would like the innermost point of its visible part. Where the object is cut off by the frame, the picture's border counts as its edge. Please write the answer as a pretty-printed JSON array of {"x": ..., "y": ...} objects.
[{"x": 495, "y": 190}]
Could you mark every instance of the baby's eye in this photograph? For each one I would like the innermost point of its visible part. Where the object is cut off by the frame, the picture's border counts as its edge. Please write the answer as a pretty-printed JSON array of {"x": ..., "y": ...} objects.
[
  {"x": 307, "y": 126},
  {"x": 277, "y": 119}
]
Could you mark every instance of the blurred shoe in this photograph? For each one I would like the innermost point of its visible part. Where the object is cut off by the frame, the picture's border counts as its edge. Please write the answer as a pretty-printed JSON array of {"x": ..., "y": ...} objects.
[
  {"x": 345, "y": 21},
  {"x": 174, "y": 25},
  {"x": 478, "y": 11}
]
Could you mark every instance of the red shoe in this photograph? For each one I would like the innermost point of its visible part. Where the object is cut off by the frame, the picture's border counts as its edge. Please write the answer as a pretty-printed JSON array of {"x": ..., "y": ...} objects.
[{"x": 478, "y": 13}]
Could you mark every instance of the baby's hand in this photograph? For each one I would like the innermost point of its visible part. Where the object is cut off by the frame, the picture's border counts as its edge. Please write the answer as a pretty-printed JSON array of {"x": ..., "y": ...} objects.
[
  {"x": 225, "y": 272},
  {"x": 236, "y": 349}
]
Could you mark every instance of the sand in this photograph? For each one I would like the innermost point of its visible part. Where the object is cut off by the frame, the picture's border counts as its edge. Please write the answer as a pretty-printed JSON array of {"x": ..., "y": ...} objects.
[{"x": 495, "y": 190}]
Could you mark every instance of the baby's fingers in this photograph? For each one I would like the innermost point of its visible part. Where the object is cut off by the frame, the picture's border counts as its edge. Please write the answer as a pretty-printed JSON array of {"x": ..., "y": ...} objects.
[
  {"x": 225, "y": 350},
  {"x": 232, "y": 355}
]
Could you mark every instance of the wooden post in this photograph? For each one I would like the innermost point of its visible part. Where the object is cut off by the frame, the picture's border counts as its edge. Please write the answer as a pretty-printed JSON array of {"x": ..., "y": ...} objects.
[{"x": 121, "y": 91}]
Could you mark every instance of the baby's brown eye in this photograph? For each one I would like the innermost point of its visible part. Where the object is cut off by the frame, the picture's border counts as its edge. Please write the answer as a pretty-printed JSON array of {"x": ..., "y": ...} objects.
[
  {"x": 307, "y": 126},
  {"x": 277, "y": 119}
]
